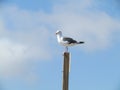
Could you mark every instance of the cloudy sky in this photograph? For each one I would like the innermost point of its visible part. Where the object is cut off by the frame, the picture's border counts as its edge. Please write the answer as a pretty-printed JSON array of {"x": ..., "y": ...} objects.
[{"x": 31, "y": 58}]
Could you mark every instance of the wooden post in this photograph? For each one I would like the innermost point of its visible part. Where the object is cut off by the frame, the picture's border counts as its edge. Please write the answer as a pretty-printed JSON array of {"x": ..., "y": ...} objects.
[{"x": 66, "y": 71}]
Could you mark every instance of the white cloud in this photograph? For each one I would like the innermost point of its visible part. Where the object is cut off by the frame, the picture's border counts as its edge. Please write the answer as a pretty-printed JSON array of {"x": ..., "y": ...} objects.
[
  {"x": 22, "y": 39},
  {"x": 94, "y": 28},
  {"x": 26, "y": 35},
  {"x": 87, "y": 23},
  {"x": 11, "y": 54}
]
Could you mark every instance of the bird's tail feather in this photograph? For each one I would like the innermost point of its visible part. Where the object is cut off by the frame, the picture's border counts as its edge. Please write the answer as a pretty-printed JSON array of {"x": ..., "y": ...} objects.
[{"x": 81, "y": 42}]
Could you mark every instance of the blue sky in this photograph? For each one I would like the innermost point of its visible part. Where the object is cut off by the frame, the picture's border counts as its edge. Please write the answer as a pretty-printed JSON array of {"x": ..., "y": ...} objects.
[{"x": 31, "y": 58}]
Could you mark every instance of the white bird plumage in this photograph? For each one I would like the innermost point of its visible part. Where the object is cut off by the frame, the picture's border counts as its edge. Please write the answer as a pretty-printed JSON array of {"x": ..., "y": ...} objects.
[{"x": 66, "y": 41}]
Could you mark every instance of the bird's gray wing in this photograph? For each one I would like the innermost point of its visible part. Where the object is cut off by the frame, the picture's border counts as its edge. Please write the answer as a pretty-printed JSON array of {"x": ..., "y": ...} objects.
[{"x": 69, "y": 40}]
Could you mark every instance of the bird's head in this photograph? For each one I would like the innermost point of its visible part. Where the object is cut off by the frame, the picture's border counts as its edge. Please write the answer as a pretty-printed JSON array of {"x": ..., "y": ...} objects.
[{"x": 58, "y": 32}]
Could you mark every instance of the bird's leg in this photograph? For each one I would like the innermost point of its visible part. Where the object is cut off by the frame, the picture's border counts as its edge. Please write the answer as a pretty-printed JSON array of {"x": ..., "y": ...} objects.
[{"x": 66, "y": 49}]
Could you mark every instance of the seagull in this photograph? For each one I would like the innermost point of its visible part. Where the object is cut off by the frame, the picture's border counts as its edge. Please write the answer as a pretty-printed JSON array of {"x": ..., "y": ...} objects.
[{"x": 66, "y": 41}]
